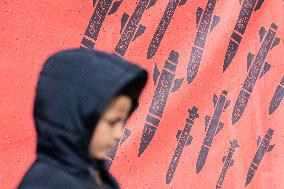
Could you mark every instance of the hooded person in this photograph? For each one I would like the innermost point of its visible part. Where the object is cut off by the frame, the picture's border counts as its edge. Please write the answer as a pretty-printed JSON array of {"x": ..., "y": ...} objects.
[{"x": 83, "y": 98}]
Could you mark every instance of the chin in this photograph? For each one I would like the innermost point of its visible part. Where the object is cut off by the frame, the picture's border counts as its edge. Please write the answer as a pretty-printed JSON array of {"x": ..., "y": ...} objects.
[{"x": 101, "y": 156}]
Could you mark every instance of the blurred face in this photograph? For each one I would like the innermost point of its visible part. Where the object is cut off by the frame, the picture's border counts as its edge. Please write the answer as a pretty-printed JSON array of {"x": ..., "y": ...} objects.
[{"x": 110, "y": 127}]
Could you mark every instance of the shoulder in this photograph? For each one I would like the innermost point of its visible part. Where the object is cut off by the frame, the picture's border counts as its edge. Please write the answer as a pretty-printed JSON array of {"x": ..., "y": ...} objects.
[{"x": 44, "y": 176}]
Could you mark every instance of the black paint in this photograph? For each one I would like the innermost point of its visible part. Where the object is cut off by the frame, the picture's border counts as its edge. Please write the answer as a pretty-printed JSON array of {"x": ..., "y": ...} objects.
[
  {"x": 212, "y": 127},
  {"x": 248, "y": 7},
  {"x": 162, "y": 91},
  {"x": 162, "y": 27},
  {"x": 263, "y": 147},
  {"x": 277, "y": 97},
  {"x": 228, "y": 162},
  {"x": 258, "y": 69},
  {"x": 110, "y": 156},
  {"x": 132, "y": 28},
  {"x": 207, "y": 20},
  {"x": 184, "y": 139},
  {"x": 93, "y": 29}
]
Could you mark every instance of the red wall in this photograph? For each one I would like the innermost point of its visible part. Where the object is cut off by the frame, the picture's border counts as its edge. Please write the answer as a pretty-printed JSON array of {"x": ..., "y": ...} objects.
[{"x": 32, "y": 30}]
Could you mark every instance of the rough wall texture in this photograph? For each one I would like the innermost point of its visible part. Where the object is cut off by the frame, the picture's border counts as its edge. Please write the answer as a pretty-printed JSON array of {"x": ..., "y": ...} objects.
[{"x": 211, "y": 114}]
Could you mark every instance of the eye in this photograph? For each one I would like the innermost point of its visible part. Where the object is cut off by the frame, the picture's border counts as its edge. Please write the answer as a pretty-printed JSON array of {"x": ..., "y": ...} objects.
[{"x": 114, "y": 122}]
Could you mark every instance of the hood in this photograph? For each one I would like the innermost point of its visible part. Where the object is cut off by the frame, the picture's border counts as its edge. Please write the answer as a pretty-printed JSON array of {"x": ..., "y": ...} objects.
[{"x": 73, "y": 89}]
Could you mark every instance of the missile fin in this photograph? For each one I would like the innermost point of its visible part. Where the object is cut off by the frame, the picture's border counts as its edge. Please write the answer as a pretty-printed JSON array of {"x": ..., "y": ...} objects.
[
  {"x": 177, "y": 84},
  {"x": 228, "y": 102},
  {"x": 215, "y": 99},
  {"x": 270, "y": 148},
  {"x": 214, "y": 23},
  {"x": 198, "y": 15},
  {"x": 156, "y": 74},
  {"x": 258, "y": 5},
  {"x": 220, "y": 126},
  {"x": 126, "y": 134},
  {"x": 189, "y": 140},
  {"x": 114, "y": 7},
  {"x": 250, "y": 58},
  {"x": 124, "y": 19},
  {"x": 152, "y": 3},
  {"x": 224, "y": 158},
  {"x": 265, "y": 69},
  {"x": 94, "y": 2},
  {"x": 231, "y": 163},
  {"x": 262, "y": 32},
  {"x": 275, "y": 42},
  {"x": 182, "y": 2},
  {"x": 141, "y": 29},
  {"x": 178, "y": 134}
]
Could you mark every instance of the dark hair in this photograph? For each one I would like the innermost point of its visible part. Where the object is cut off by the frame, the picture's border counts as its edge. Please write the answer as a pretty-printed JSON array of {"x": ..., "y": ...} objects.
[{"x": 133, "y": 90}]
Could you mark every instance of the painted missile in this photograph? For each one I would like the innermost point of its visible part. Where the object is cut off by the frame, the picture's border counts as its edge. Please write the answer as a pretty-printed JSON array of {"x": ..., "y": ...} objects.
[
  {"x": 130, "y": 28},
  {"x": 228, "y": 162},
  {"x": 184, "y": 139},
  {"x": 163, "y": 25},
  {"x": 165, "y": 85},
  {"x": 207, "y": 23},
  {"x": 212, "y": 128},
  {"x": 277, "y": 97},
  {"x": 256, "y": 70},
  {"x": 103, "y": 8},
  {"x": 263, "y": 147},
  {"x": 110, "y": 156},
  {"x": 248, "y": 6}
]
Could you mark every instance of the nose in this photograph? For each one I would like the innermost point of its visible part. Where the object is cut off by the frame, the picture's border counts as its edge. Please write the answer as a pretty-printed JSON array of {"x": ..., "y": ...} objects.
[{"x": 118, "y": 132}]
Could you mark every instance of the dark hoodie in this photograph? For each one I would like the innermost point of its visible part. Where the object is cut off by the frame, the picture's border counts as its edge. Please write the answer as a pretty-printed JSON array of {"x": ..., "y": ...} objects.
[{"x": 74, "y": 88}]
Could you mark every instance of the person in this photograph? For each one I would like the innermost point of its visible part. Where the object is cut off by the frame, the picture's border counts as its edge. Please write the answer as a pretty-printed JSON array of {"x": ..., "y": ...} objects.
[{"x": 83, "y": 99}]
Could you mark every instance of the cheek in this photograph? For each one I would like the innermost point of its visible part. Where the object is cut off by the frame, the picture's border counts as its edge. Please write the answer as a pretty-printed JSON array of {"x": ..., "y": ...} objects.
[{"x": 100, "y": 140}]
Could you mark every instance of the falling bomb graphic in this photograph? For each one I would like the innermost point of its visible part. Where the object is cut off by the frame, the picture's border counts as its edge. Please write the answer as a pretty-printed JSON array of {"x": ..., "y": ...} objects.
[
  {"x": 102, "y": 9},
  {"x": 163, "y": 25},
  {"x": 258, "y": 68},
  {"x": 277, "y": 97},
  {"x": 228, "y": 162},
  {"x": 212, "y": 127},
  {"x": 206, "y": 25},
  {"x": 248, "y": 6},
  {"x": 184, "y": 139},
  {"x": 263, "y": 147},
  {"x": 166, "y": 84}
]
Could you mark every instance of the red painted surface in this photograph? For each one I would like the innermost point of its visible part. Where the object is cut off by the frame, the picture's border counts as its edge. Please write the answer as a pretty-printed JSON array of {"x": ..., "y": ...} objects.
[{"x": 32, "y": 30}]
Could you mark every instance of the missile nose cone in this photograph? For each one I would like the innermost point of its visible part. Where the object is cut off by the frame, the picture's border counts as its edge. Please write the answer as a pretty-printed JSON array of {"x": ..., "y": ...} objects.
[
  {"x": 194, "y": 63},
  {"x": 168, "y": 179},
  {"x": 250, "y": 175},
  {"x": 140, "y": 152},
  {"x": 147, "y": 136},
  {"x": 197, "y": 169},
  {"x": 224, "y": 67},
  {"x": 230, "y": 54},
  {"x": 226, "y": 63},
  {"x": 271, "y": 109},
  {"x": 240, "y": 106},
  {"x": 235, "y": 119},
  {"x": 142, "y": 148},
  {"x": 201, "y": 158}
]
